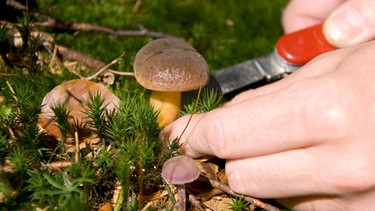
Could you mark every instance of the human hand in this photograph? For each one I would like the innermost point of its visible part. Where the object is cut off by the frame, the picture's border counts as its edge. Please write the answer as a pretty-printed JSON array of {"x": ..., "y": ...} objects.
[
  {"x": 308, "y": 138},
  {"x": 346, "y": 23}
]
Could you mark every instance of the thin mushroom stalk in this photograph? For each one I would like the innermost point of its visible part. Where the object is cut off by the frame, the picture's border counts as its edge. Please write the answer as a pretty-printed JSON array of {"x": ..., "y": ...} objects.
[
  {"x": 181, "y": 191},
  {"x": 179, "y": 171}
]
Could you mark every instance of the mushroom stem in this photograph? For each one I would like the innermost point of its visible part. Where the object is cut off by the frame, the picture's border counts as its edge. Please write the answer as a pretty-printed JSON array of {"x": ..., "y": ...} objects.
[
  {"x": 181, "y": 191},
  {"x": 179, "y": 171},
  {"x": 167, "y": 104}
]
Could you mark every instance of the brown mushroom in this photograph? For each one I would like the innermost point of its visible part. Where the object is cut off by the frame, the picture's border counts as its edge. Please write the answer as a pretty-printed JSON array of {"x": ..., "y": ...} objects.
[
  {"x": 179, "y": 171},
  {"x": 74, "y": 93},
  {"x": 169, "y": 66}
]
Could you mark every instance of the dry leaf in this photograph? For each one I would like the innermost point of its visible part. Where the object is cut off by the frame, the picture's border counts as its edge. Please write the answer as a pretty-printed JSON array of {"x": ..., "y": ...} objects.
[
  {"x": 106, "y": 207},
  {"x": 218, "y": 203},
  {"x": 208, "y": 169}
]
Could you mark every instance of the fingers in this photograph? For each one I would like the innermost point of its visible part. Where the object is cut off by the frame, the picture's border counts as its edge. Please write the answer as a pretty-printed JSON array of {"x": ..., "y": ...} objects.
[
  {"x": 289, "y": 118},
  {"x": 347, "y": 23},
  {"x": 357, "y": 201},
  {"x": 312, "y": 69},
  {"x": 351, "y": 23},
  {"x": 300, "y": 14},
  {"x": 304, "y": 172},
  {"x": 194, "y": 129},
  {"x": 282, "y": 116}
]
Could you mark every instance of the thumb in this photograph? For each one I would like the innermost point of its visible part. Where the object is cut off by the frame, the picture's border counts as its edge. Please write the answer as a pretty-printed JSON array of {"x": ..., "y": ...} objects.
[{"x": 351, "y": 23}]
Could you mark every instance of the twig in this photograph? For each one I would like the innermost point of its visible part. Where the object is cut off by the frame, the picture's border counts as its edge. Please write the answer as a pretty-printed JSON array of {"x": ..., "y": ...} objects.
[
  {"x": 148, "y": 205},
  {"x": 70, "y": 54},
  {"x": 73, "y": 55},
  {"x": 121, "y": 73},
  {"x": 66, "y": 54},
  {"x": 57, "y": 165},
  {"x": 88, "y": 61},
  {"x": 12, "y": 91},
  {"x": 19, "y": 6},
  {"x": 18, "y": 108},
  {"x": 252, "y": 200},
  {"x": 103, "y": 69},
  {"x": 53, "y": 58},
  {"x": 116, "y": 198},
  {"x": 195, "y": 202},
  {"x": 85, "y": 27},
  {"x": 76, "y": 139},
  {"x": 8, "y": 74},
  {"x": 136, "y": 6},
  {"x": 6, "y": 169},
  {"x": 12, "y": 135}
]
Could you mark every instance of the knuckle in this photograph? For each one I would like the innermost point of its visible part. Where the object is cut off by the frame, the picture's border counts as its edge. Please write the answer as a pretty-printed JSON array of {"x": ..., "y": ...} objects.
[
  {"x": 238, "y": 179},
  {"x": 369, "y": 9},
  {"x": 339, "y": 108},
  {"x": 356, "y": 175},
  {"x": 335, "y": 115},
  {"x": 217, "y": 137}
]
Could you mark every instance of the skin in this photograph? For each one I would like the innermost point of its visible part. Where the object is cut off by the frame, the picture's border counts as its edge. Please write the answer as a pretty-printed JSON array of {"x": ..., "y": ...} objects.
[{"x": 307, "y": 140}]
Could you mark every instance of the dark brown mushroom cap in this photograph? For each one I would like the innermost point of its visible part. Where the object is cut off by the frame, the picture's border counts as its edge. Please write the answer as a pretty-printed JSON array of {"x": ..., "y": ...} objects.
[
  {"x": 170, "y": 64},
  {"x": 180, "y": 170}
]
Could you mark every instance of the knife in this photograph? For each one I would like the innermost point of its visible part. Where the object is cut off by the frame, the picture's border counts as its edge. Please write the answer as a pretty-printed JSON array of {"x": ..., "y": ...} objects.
[{"x": 291, "y": 52}]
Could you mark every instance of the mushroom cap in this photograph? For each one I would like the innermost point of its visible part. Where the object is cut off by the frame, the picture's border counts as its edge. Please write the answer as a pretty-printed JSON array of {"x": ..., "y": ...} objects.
[
  {"x": 74, "y": 93},
  {"x": 180, "y": 170},
  {"x": 170, "y": 64}
]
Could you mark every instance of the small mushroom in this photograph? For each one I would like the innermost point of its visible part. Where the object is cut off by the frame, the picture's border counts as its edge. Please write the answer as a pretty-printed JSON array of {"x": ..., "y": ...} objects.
[
  {"x": 169, "y": 66},
  {"x": 74, "y": 93},
  {"x": 179, "y": 171}
]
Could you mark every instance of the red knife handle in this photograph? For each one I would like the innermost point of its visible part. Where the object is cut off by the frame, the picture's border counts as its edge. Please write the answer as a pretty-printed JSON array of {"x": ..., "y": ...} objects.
[{"x": 300, "y": 47}]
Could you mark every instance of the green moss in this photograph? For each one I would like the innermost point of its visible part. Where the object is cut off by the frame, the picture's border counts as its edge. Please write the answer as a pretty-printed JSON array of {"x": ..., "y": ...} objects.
[{"x": 225, "y": 32}]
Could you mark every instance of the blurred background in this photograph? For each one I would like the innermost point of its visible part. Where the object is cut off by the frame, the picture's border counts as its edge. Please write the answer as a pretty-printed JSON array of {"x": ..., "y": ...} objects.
[{"x": 225, "y": 32}]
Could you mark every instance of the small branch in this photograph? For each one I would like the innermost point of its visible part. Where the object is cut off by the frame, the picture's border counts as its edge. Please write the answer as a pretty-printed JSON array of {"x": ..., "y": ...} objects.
[
  {"x": 76, "y": 139},
  {"x": 252, "y": 200},
  {"x": 68, "y": 54},
  {"x": 12, "y": 91},
  {"x": 57, "y": 165},
  {"x": 103, "y": 69},
  {"x": 13, "y": 95},
  {"x": 73, "y": 55},
  {"x": 6, "y": 169},
  {"x": 121, "y": 73},
  {"x": 84, "y": 27},
  {"x": 195, "y": 202},
  {"x": 7, "y": 74},
  {"x": 19, "y": 6},
  {"x": 91, "y": 63},
  {"x": 12, "y": 135},
  {"x": 53, "y": 58},
  {"x": 117, "y": 198},
  {"x": 136, "y": 6}
]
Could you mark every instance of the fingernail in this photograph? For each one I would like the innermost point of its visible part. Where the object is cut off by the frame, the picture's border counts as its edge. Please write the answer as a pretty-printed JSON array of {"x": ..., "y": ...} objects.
[{"x": 344, "y": 27}]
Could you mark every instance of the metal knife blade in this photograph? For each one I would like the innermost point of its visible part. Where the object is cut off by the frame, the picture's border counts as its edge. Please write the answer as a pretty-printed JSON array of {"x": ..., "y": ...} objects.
[
  {"x": 264, "y": 69},
  {"x": 291, "y": 51},
  {"x": 246, "y": 75}
]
